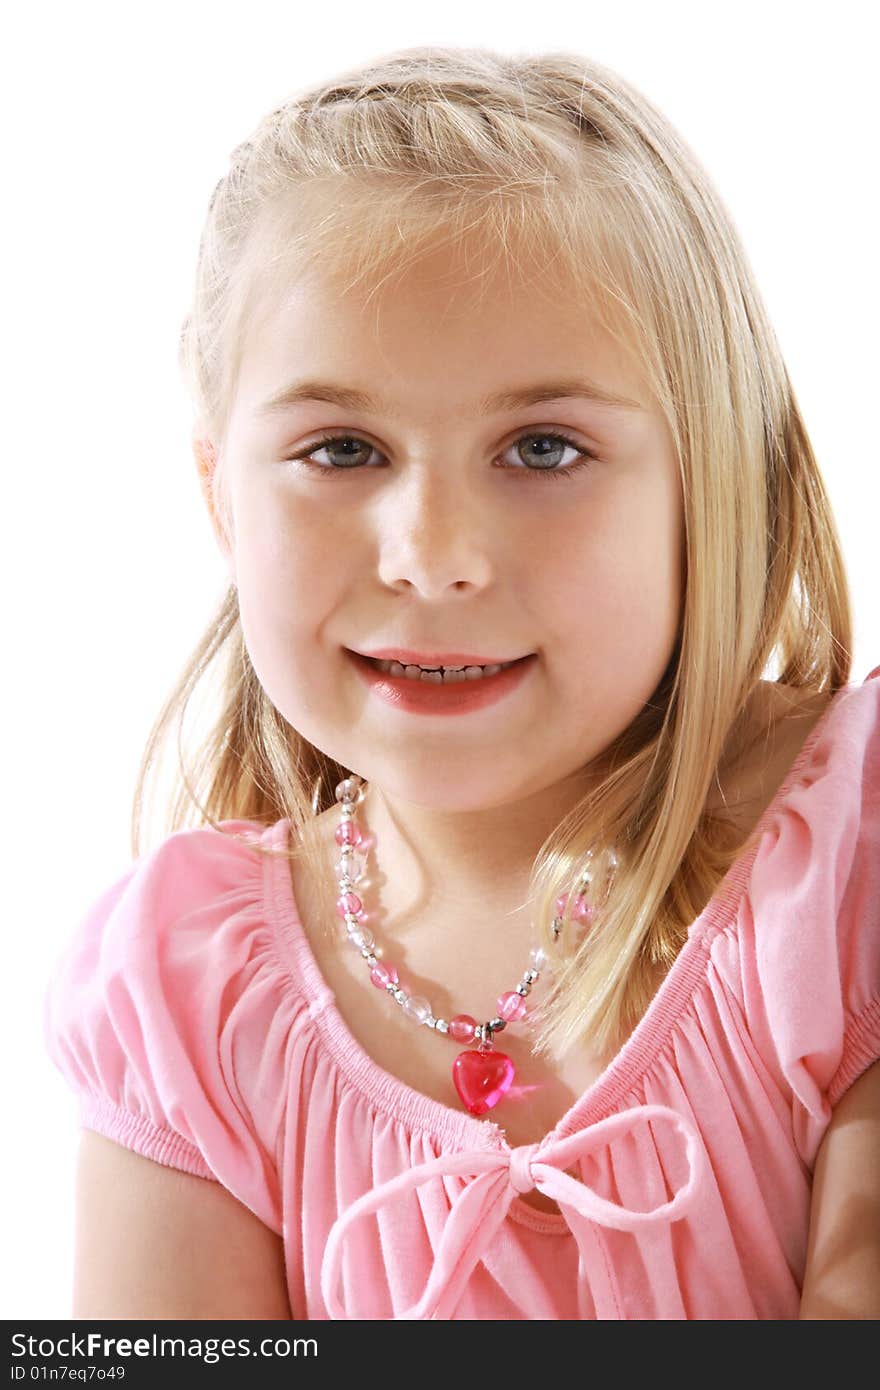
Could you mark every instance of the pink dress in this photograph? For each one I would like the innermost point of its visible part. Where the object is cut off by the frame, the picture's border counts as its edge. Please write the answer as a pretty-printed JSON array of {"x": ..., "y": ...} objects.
[{"x": 189, "y": 1016}]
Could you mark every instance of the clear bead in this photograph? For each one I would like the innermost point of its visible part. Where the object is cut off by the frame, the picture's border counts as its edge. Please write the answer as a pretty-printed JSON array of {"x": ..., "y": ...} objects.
[
  {"x": 538, "y": 957},
  {"x": 418, "y": 1007},
  {"x": 348, "y": 789},
  {"x": 362, "y": 936},
  {"x": 353, "y": 865}
]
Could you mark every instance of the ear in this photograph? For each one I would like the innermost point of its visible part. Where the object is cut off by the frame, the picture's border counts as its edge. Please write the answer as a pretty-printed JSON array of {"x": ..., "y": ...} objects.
[{"x": 206, "y": 465}]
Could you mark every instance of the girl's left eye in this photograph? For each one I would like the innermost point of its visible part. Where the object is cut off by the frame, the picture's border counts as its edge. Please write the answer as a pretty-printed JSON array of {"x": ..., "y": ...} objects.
[{"x": 585, "y": 459}]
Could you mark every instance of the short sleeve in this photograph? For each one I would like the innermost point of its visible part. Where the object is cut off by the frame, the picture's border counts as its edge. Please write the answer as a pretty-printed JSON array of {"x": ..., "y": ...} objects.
[
  {"x": 152, "y": 1013},
  {"x": 810, "y": 930}
]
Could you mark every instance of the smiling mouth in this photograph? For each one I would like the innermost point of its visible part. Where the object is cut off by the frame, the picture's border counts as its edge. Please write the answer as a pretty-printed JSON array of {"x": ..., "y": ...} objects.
[{"x": 437, "y": 675}]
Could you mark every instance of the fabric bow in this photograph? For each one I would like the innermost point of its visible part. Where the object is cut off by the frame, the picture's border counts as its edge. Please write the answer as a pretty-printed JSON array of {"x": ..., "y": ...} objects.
[{"x": 501, "y": 1174}]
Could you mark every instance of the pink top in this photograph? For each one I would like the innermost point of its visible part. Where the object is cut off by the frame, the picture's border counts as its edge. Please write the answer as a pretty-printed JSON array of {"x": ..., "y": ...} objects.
[{"x": 189, "y": 1015}]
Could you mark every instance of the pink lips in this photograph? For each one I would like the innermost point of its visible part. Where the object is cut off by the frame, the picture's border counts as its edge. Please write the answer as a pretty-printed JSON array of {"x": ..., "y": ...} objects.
[{"x": 434, "y": 697}]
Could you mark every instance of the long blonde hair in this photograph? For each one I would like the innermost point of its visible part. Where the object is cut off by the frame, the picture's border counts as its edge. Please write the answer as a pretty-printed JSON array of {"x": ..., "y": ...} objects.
[{"x": 555, "y": 159}]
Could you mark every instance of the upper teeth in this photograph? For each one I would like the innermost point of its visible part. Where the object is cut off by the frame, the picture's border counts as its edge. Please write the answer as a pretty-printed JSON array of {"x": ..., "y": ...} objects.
[{"x": 440, "y": 674}]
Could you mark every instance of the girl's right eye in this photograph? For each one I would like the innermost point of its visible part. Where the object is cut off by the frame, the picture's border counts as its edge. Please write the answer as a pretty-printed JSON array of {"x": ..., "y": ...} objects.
[{"x": 338, "y": 439}]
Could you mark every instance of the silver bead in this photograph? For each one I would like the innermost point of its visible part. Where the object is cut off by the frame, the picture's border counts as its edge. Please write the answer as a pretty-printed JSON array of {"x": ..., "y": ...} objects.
[
  {"x": 398, "y": 994},
  {"x": 497, "y": 1025},
  {"x": 524, "y": 987},
  {"x": 530, "y": 975},
  {"x": 442, "y": 1025},
  {"x": 370, "y": 958}
]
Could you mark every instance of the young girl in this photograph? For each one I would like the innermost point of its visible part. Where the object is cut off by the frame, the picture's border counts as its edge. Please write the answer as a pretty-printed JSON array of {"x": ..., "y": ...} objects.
[{"x": 523, "y": 959}]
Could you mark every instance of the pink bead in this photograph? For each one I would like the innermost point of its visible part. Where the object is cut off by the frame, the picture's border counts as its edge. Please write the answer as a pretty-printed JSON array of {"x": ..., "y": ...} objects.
[
  {"x": 583, "y": 908},
  {"x": 462, "y": 1028},
  {"x": 348, "y": 833},
  {"x": 511, "y": 1006},
  {"x": 349, "y": 903},
  {"x": 383, "y": 974}
]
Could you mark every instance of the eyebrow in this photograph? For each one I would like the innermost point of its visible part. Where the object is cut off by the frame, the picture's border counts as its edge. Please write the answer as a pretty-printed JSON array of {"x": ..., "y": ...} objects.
[{"x": 350, "y": 399}]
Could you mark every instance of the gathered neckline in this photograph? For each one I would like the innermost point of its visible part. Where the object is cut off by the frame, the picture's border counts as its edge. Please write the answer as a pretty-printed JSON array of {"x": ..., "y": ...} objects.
[{"x": 438, "y": 1121}]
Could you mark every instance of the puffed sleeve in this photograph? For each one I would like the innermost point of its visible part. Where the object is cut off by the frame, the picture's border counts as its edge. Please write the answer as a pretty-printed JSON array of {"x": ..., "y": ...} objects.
[
  {"x": 152, "y": 1013},
  {"x": 810, "y": 938}
]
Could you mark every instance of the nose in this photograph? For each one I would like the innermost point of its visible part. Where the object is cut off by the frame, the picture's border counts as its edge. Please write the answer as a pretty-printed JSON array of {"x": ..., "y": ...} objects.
[{"x": 435, "y": 536}]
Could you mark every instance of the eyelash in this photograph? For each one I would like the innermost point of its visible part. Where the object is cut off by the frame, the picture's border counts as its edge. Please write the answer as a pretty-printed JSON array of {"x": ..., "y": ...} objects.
[{"x": 587, "y": 457}]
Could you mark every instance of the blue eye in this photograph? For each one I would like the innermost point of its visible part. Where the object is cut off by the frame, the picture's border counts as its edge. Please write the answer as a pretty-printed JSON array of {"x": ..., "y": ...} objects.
[{"x": 354, "y": 461}]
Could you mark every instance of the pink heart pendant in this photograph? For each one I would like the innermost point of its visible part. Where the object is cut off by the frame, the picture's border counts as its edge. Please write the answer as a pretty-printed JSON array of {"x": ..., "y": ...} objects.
[{"x": 482, "y": 1079}]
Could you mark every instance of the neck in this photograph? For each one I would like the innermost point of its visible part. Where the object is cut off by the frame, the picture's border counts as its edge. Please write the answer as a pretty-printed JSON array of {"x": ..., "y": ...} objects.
[{"x": 478, "y": 861}]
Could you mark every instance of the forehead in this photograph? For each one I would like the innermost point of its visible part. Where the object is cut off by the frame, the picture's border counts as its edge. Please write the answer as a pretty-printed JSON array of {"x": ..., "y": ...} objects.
[{"x": 453, "y": 317}]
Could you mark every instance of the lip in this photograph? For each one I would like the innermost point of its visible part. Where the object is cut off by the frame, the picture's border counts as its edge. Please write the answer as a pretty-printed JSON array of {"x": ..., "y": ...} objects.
[
  {"x": 432, "y": 697},
  {"x": 406, "y": 657}
]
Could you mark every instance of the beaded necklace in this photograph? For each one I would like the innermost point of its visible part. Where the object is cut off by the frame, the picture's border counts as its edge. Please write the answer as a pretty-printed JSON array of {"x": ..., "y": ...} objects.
[{"x": 482, "y": 1075}]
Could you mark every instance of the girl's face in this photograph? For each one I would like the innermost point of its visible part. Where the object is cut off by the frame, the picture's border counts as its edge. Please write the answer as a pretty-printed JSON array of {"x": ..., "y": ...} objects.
[{"x": 436, "y": 524}]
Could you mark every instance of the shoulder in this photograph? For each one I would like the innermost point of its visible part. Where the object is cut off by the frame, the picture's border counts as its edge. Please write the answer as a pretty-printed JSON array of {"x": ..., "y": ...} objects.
[
  {"x": 183, "y": 927},
  {"x": 186, "y": 884},
  {"x": 201, "y": 863},
  {"x": 825, "y": 818},
  {"x": 784, "y": 726},
  {"x": 803, "y": 955}
]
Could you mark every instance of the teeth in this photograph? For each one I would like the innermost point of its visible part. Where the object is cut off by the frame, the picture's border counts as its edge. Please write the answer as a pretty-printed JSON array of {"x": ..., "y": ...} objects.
[{"x": 444, "y": 675}]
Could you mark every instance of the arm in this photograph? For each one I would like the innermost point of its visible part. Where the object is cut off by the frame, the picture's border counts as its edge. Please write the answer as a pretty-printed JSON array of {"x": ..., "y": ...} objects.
[
  {"x": 153, "y": 1242},
  {"x": 842, "y": 1276}
]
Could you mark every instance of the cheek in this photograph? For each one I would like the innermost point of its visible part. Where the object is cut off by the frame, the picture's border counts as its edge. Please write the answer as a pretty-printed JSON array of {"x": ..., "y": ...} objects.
[
  {"x": 287, "y": 576},
  {"x": 284, "y": 540},
  {"x": 621, "y": 579}
]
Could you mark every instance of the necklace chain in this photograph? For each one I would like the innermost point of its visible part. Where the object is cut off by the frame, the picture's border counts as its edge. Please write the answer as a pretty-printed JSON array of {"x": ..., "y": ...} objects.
[{"x": 463, "y": 1028}]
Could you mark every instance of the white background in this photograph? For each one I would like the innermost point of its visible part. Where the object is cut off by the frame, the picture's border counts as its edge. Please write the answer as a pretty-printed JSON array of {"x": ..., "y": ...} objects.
[{"x": 118, "y": 121}]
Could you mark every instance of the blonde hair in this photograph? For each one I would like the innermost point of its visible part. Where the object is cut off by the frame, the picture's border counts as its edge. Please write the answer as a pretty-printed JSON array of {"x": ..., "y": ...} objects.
[{"x": 546, "y": 159}]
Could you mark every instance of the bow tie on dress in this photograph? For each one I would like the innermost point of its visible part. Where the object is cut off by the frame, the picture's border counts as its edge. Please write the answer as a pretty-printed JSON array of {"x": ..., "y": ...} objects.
[{"x": 482, "y": 1205}]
